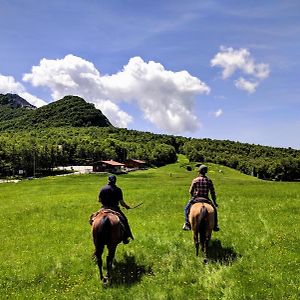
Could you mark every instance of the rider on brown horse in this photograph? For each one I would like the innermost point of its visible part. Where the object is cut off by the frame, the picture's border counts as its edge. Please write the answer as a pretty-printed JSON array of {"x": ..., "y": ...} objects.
[
  {"x": 200, "y": 188},
  {"x": 110, "y": 196}
]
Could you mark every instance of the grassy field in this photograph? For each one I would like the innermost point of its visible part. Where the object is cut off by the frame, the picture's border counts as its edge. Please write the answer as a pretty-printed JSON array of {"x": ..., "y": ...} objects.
[{"x": 46, "y": 245}]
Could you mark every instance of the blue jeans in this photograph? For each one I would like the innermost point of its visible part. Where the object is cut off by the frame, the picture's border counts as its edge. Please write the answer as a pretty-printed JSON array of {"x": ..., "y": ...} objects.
[{"x": 187, "y": 210}]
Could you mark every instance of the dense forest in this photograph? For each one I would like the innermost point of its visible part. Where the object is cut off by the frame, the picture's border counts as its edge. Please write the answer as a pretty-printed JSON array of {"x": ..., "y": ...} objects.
[
  {"x": 72, "y": 132},
  {"x": 62, "y": 146}
]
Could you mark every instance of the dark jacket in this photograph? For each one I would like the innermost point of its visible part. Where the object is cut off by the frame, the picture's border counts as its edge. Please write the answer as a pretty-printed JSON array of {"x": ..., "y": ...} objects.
[{"x": 110, "y": 196}]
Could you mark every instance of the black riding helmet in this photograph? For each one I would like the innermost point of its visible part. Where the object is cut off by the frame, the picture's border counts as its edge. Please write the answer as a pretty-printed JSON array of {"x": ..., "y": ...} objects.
[
  {"x": 203, "y": 169},
  {"x": 112, "y": 179}
]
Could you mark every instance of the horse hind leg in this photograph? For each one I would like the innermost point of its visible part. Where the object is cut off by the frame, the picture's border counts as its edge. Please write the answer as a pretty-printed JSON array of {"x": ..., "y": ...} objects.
[
  {"x": 205, "y": 249},
  {"x": 109, "y": 260},
  {"x": 197, "y": 248},
  {"x": 98, "y": 255},
  {"x": 196, "y": 242}
]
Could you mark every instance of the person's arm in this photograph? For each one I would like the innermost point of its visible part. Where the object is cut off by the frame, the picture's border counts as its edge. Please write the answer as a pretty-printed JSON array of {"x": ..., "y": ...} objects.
[
  {"x": 191, "y": 190},
  {"x": 122, "y": 202},
  {"x": 213, "y": 193}
]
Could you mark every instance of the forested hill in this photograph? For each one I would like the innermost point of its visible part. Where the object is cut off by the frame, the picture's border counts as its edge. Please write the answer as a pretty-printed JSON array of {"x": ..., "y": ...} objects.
[
  {"x": 17, "y": 113},
  {"x": 62, "y": 146},
  {"x": 71, "y": 132}
]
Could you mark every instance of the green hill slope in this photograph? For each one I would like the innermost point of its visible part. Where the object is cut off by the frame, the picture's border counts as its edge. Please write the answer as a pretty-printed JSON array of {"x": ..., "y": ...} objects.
[
  {"x": 46, "y": 242},
  {"x": 69, "y": 111},
  {"x": 72, "y": 131}
]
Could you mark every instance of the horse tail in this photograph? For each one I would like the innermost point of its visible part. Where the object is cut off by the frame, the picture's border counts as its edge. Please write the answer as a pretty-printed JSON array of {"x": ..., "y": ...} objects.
[
  {"x": 202, "y": 225},
  {"x": 103, "y": 231}
]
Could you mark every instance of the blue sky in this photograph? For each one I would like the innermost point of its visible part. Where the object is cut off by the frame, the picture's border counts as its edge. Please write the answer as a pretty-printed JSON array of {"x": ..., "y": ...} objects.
[{"x": 207, "y": 69}]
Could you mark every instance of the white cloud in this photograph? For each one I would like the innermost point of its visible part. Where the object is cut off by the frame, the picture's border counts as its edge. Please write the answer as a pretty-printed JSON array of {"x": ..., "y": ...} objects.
[
  {"x": 64, "y": 76},
  {"x": 112, "y": 112},
  {"x": 32, "y": 99},
  {"x": 218, "y": 113},
  {"x": 9, "y": 85},
  {"x": 166, "y": 98},
  {"x": 246, "y": 85},
  {"x": 231, "y": 61},
  {"x": 262, "y": 71}
]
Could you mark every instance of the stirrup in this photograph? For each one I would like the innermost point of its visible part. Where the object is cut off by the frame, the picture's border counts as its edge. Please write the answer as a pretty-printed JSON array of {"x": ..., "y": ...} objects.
[
  {"x": 186, "y": 227},
  {"x": 125, "y": 241},
  {"x": 216, "y": 228}
]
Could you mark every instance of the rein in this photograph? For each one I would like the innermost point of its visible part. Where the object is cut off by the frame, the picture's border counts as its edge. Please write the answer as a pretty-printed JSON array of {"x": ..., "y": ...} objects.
[{"x": 137, "y": 205}]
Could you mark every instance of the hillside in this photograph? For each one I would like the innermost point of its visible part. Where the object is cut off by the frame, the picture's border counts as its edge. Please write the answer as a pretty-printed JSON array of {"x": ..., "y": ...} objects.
[
  {"x": 15, "y": 101},
  {"x": 17, "y": 113},
  {"x": 13, "y": 108},
  {"x": 47, "y": 247},
  {"x": 71, "y": 131},
  {"x": 62, "y": 146}
]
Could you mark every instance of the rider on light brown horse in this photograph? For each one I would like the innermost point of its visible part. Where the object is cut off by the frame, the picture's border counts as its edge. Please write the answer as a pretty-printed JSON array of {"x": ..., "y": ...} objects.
[
  {"x": 110, "y": 196},
  {"x": 200, "y": 187}
]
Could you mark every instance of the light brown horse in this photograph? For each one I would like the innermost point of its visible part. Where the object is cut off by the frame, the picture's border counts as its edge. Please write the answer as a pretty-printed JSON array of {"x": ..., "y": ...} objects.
[
  {"x": 107, "y": 231},
  {"x": 202, "y": 221}
]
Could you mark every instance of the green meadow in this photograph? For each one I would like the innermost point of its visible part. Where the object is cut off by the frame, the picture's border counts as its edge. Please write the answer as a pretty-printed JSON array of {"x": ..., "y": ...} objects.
[{"x": 46, "y": 244}]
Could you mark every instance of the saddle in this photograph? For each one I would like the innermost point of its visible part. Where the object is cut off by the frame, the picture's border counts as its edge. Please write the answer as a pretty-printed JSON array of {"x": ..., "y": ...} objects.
[
  {"x": 203, "y": 200},
  {"x": 106, "y": 210}
]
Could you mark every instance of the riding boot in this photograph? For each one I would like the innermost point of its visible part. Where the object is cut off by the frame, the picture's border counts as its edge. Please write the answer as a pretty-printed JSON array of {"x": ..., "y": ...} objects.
[
  {"x": 216, "y": 227},
  {"x": 127, "y": 233},
  {"x": 125, "y": 241},
  {"x": 187, "y": 225}
]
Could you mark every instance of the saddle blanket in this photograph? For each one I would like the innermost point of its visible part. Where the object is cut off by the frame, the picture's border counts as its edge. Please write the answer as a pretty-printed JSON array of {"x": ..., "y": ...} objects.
[{"x": 104, "y": 210}]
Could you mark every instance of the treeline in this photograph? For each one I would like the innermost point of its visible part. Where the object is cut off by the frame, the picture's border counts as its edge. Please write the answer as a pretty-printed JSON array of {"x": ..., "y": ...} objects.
[
  {"x": 259, "y": 161},
  {"x": 43, "y": 149}
]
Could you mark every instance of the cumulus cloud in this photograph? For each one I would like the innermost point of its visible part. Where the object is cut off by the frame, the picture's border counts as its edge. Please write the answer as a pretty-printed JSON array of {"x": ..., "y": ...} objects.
[
  {"x": 9, "y": 85},
  {"x": 218, "y": 113},
  {"x": 112, "y": 112},
  {"x": 232, "y": 61},
  {"x": 246, "y": 85},
  {"x": 166, "y": 98},
  {"x": 32, "y": 99}
]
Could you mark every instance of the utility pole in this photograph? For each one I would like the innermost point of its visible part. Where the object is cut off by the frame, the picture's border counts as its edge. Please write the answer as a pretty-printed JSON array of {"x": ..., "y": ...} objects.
[{"x": 34, "y": 163}]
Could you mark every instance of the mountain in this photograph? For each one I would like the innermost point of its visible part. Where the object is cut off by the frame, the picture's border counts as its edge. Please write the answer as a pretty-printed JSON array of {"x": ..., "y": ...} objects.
[
  {"x": 15, "y": 101},
  {"x": 17, "y": 113}
]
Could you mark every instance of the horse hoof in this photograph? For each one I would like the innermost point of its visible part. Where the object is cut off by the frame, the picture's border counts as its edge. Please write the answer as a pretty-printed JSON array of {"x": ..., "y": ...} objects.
[
  {"x": 105, "y": 282},
  {"x": 205, "y": 261}
]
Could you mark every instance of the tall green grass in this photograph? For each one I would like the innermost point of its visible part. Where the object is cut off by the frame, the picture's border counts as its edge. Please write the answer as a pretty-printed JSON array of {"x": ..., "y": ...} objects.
[{"x": 46, "y": 246}]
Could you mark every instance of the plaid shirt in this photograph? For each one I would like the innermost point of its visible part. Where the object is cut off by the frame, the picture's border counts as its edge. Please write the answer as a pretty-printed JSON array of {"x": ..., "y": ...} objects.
[{"x": 201, "y": 186}]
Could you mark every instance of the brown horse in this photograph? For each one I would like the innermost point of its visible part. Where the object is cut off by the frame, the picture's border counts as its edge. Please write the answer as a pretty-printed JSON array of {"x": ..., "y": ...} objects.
[
  {"x": 201, "y": 218},
  {"x": 107, "y": 231}
]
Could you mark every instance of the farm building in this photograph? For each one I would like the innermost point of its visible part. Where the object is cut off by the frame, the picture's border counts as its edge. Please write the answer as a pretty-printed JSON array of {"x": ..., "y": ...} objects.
[
  {"x": 135, "y": 164},
  {"x": 110, "y": 166}
]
